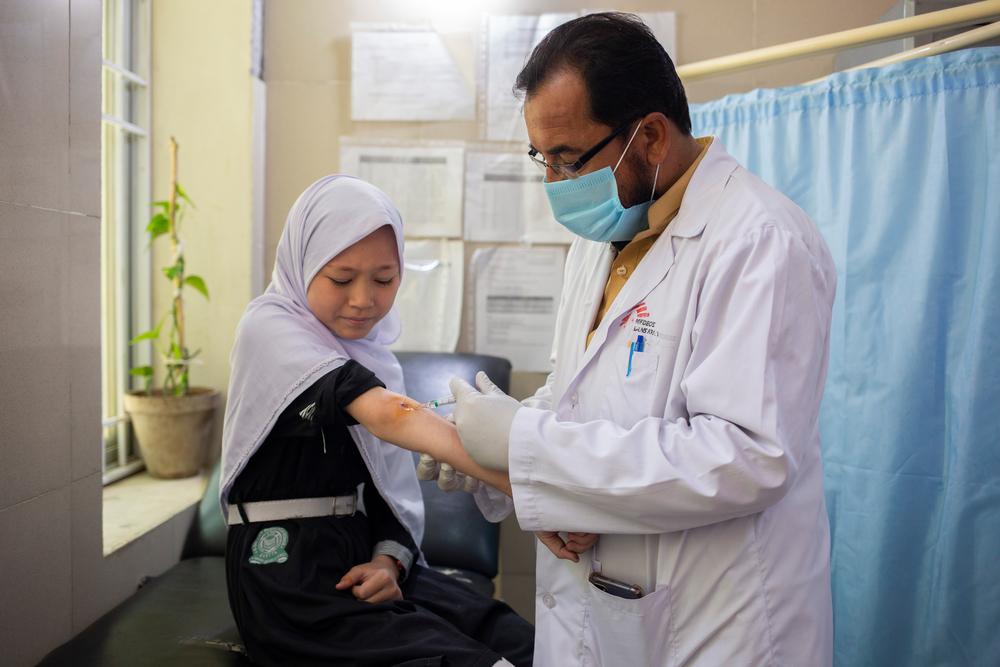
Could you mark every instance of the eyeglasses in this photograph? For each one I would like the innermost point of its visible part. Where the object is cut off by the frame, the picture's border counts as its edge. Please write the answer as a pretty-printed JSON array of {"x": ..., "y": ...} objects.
[{"x": 571, "y": 170}]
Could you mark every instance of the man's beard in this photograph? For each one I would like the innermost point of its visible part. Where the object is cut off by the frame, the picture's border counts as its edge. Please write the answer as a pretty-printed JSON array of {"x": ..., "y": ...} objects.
[{"x": 638, "y": 182}]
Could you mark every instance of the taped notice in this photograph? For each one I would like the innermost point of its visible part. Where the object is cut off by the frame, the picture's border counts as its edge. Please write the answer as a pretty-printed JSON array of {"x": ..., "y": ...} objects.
[{"x": 517, "y": 295}]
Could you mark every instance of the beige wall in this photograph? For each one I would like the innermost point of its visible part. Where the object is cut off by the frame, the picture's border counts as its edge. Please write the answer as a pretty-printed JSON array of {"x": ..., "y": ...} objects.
[
  {"x": 308, "y": 67},
  {"x": 202, "y": 97}
]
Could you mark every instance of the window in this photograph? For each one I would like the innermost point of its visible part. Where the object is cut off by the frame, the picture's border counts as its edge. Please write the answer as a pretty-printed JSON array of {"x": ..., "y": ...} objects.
[{"x": 125, "y": 174}]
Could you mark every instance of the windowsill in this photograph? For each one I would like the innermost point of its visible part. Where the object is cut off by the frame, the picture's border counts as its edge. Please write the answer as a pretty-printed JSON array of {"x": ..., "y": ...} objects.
[{"x": 137, "y": 504}]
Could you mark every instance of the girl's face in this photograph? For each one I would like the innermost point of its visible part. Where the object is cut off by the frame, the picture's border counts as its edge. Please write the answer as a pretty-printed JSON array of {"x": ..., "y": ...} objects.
[{"x": 357, "y": 287}]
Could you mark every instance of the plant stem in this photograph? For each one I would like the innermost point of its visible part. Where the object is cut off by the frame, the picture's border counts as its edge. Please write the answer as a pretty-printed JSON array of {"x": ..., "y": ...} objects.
[{"x": 178, "y": 281}]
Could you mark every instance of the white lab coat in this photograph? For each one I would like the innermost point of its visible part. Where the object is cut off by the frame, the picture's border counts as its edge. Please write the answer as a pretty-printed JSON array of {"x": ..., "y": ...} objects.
[{"x": 703, "y": 462}]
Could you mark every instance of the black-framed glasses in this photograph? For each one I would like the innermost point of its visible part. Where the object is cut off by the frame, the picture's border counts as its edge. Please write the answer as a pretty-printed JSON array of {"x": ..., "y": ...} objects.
[{"x": 570, "y": 170}]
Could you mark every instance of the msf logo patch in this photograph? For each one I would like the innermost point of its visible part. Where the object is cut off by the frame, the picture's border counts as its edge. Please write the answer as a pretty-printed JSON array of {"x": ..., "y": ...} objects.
[{"x": 642, "y": 323}]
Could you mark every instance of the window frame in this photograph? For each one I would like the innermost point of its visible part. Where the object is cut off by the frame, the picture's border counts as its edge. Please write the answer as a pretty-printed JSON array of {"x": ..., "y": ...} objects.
[{"x": 126, "y": 284}]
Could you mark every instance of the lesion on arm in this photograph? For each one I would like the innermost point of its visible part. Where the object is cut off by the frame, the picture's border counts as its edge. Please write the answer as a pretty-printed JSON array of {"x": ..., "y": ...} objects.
[{"x": 404, "y": 422}]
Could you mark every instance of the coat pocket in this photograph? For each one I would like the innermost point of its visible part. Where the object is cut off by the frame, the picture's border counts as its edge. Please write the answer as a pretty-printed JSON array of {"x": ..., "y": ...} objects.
[
  {"x": 618, "y": 631},
  {"x": 635, "y": 378}
]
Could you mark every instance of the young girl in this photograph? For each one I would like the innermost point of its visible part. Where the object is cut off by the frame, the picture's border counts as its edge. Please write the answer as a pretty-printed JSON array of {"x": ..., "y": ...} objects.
[{"x": 323, "y": 562}]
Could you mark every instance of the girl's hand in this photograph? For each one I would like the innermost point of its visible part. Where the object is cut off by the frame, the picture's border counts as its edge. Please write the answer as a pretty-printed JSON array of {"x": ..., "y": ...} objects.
[{"x": 373, "y": 582}]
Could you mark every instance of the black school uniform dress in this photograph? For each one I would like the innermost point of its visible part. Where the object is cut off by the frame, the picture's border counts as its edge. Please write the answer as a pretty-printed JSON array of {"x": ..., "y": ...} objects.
[{"x": 281, "y": 584}]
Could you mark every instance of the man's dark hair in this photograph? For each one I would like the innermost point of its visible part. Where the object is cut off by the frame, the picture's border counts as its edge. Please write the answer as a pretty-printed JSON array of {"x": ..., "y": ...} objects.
[{"x": 627, "y": 72}]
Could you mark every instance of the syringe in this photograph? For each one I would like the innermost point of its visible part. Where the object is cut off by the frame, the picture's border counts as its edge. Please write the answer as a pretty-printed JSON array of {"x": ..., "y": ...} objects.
[{"x": 439, "y": 402}]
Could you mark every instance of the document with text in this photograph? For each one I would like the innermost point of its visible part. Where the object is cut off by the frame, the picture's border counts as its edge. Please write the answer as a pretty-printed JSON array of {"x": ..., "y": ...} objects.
[{"x": 516, "y": 297}]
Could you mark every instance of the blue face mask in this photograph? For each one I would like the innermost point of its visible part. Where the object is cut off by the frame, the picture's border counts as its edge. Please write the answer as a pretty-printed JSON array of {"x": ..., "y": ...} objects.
[{"x": 589, "y": 205}]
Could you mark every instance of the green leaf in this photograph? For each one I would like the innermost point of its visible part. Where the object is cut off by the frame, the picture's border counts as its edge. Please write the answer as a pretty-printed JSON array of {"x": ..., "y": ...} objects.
[
  {"x": 183, "y": 195},
  {"x": 197, "y": 283},
  {"x": 172, "y": 272},
  {"x": 152, "y": 334},
  {"x": 142, "y": 371},
  {"x": 175, "y": 352},
  {"x": 158, "y": 225},
  {"x": 164, "y": 204}
]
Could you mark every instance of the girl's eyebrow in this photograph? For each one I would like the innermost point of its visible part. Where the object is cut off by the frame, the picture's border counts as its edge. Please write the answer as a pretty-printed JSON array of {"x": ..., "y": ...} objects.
[{"x": 384, "y": 267}]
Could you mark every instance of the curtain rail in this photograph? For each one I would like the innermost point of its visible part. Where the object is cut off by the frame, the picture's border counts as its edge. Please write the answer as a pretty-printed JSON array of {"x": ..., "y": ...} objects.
[
  {"x": 953, "y": 43},
  {"x": 881, "y": 32}
]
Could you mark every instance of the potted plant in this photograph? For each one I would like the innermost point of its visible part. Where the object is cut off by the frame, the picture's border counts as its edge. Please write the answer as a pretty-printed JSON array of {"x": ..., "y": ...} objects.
[{"x": 172, "y": 423}]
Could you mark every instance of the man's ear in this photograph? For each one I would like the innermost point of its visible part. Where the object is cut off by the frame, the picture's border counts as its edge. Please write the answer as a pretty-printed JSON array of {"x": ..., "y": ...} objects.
[{"x": 657, "y": 132}]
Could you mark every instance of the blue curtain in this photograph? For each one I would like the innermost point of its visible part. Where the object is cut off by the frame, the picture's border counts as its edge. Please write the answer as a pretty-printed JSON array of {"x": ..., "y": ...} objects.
[{"x": 900, "y": 168}]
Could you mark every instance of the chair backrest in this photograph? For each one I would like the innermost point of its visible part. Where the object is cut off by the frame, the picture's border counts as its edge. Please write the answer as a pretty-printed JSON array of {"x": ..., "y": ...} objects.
[
  {"x": 456, "y": 534},
  {"x": 207, "y": 534}
]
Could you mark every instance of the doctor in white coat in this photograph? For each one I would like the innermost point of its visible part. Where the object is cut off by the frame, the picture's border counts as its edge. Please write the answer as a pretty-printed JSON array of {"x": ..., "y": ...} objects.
[{"x": 680, "y": 420}]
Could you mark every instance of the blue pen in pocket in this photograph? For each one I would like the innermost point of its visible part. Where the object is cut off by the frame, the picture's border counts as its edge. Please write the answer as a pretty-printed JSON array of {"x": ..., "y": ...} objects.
[{"x": 638, "y": 345}]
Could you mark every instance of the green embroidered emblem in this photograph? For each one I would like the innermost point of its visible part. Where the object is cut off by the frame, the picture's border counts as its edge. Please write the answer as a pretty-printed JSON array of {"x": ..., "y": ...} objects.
[{"x": 269, "y": 547}]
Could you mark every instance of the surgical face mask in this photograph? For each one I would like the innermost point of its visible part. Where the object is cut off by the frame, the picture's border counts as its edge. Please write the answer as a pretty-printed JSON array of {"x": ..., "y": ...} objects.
[{"x": 589, "y": 205}]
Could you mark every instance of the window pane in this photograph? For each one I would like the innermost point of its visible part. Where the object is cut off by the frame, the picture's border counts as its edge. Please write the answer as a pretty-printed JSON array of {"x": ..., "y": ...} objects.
[{"x": 124, "y": 183}]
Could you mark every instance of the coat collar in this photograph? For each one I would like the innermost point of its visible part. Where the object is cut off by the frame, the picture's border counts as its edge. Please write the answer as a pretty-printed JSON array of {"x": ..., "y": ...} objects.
[{"x": 707, "y": 183}]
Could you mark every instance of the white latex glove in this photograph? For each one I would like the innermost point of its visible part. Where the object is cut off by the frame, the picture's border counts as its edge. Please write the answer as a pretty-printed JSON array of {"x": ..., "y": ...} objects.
[
  {"x": 484, "y": 419},
  {"x": 427, "y": 467},
  {"x": 452, "y": 480},
  {"x": 471, "y": 484},
  {"x": 448, "y": 479}
]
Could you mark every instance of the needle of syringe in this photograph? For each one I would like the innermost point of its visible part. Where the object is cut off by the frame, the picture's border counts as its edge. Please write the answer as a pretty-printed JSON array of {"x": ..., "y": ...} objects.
[{"x": 438, "y": 402}]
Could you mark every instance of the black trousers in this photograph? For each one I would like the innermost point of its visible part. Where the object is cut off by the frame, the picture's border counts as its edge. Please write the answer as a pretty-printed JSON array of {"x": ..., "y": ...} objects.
[{"x": 289, "y": 613}]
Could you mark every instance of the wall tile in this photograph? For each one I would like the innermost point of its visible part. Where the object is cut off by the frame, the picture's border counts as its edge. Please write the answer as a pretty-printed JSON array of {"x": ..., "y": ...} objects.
[
  {"x": 85, "y": 107},
  {"x": 35, "y": 577},
  {"x": 35, "y": 397},
  {"x": 34, "y": 295},
  {"x": 34, "y": 50},
  {"x": 84, "y": 344},
  {"x": 91, "y": 595}
]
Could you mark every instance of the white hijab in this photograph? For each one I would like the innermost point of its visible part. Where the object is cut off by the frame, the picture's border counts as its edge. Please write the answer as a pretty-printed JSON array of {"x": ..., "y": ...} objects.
[{"x": 281, "y": 348}]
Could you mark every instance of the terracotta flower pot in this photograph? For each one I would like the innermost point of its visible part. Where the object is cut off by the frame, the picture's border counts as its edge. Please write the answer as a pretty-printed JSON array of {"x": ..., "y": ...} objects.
[{"x": 173, "y": 432}]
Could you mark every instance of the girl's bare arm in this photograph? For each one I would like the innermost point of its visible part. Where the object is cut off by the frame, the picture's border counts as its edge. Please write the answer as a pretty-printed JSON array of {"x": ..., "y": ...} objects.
[{"x": 404, "y": 422}]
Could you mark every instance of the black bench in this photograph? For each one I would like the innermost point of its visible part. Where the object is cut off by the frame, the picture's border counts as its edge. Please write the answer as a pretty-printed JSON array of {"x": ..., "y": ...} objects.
[{"x": 182, "y": 617}]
